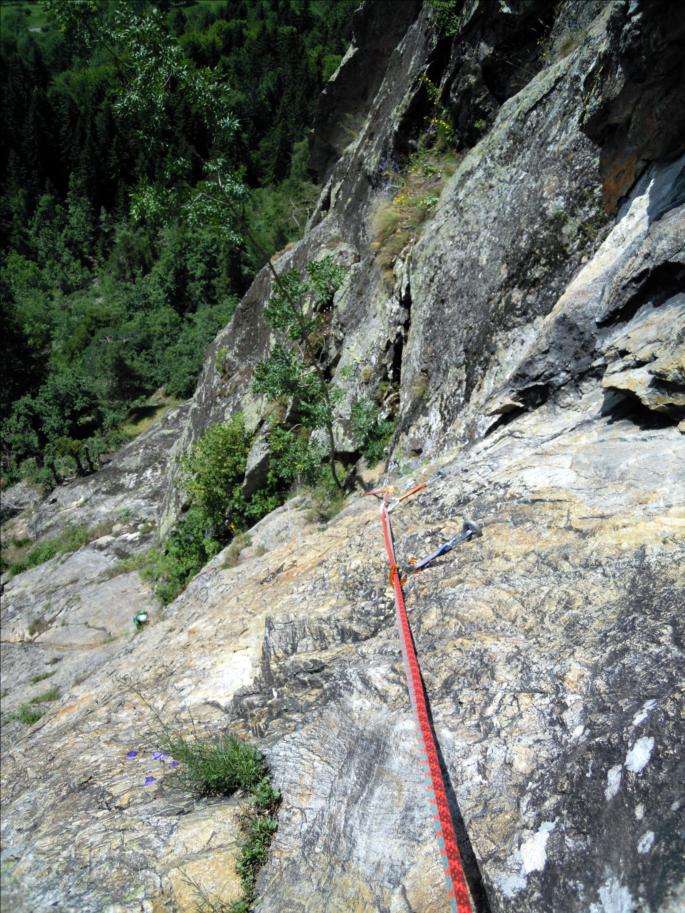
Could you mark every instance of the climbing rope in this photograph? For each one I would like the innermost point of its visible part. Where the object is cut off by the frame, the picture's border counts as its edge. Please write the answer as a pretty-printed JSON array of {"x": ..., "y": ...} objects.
[{"x": 442, "y": 817}]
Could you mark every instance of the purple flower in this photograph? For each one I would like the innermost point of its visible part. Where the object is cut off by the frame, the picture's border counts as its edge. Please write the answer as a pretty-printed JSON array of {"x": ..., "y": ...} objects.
[
  {"x": 173, "y": 764},
  {"x": 131, "y": 755},
  {"x": 149, "y": 781},
  {"x": 156, "y": 755}
]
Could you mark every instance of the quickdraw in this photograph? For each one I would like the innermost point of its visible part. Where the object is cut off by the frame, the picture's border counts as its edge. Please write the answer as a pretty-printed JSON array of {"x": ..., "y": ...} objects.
[
  {"x": 442, "y": 817},
  {"x": 470, "y": 530}
]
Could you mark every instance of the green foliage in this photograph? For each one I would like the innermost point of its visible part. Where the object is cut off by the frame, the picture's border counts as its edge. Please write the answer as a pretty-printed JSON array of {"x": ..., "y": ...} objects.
[
  {"x": 219, "y": 512},
  {"x": 325, "y": 278},
  {"x": 285, "y": 374},
  {"x": 260, "y": 831},
  {"x": 120, "y": 259},
  {"x": 214, "y": 471},
  {"x": 220, "y": 765},
  {"x": 266, "y": 797},
  {"x": 216, "y": 766},
  {"x": 41, "y": 677},
  {"x": 327, "y": 499},
  {"x": 26, "y": 714},
  {"x": 52, "y": 694},
  {"x": 295, "y": 371},
  {"x": 187, "y": 548},
  {"x": 259, "y": 827},
  {"x": 137, "y": 562},
  {"x": 37, "y": 626},
  {"x": 295, "y": 458},
  {"x": 371, "y": 431},
  {"x": 447, "y": 16},
  {"x": 441, "y": 119},
  {"x": 69, "y": 540},
  {"x": 278, "y": 214}
]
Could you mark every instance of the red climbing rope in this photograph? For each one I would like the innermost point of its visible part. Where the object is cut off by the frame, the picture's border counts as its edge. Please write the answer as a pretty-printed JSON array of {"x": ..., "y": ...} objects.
[{"x": 444, "y": 825}]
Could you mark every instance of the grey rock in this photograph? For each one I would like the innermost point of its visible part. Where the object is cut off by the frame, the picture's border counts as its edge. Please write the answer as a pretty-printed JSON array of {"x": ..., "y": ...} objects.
[
  {"x": 257, "y": 466},
  {"x": 131, "y": 484},
  {"x": 17, "y": 499},
  {"x": 345, "y": 101},
  {"x": 638, "y": 73},
  {"x": 623, "y": 289},
  {"x": 551, "y": 647},
  {"x": 281, "y": 525},
  {"x": 647, "y": 357}
]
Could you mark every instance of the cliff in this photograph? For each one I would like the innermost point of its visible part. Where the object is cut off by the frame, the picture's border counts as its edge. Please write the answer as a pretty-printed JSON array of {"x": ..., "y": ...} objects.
[{"x": 528, "y": 336}]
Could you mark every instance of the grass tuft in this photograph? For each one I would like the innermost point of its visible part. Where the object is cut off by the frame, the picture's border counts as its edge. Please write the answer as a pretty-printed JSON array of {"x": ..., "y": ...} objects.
[
  {"x": 142, "y": 418},
  {"x": 241, "y": 541},
  {"x": 217, "y": 766},
  {"x": 70, "y": 539},
  {"x": 26, "y": 714},
  {"x": 52, "y": 694},
  {"x": 220, "y": 766},
  {"x": 398, "y": 220},
  {"x": 135, "y": 562}
]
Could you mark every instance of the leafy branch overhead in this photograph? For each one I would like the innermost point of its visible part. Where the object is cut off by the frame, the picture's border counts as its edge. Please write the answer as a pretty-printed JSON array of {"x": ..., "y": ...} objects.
[{"x": 156, "y": 81}]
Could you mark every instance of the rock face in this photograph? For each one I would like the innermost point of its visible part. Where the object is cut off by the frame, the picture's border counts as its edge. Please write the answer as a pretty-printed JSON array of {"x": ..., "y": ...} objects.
[
  {"x": 66, "y": 617},
  {"x": 531, "y": 342}
]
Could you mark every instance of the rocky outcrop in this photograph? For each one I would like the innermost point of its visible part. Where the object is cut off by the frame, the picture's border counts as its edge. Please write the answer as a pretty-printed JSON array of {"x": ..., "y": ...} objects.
[
  {"x": 65, "y": 618},
  {"x": 639, "y": 72},
  {"x": 530, "y": 344},
  {"x": 550, "y": 650},
  {"x": 345, "y": 101}
]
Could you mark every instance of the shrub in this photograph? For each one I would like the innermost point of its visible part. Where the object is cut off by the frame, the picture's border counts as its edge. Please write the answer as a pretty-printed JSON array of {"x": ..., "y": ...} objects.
[
  {"x": 296, "y": 368},
  {"x": 326, "y": 502},
  {"x": 39, "y": 554},
  {"x": 295, "y": 459},
  {"x": 187, "y": 548},
  {"x": 447, "y": 16},
  {"x": 214, "y": 472},
  {"x": 371, "y": 431},
  {"x": 37, "y": 626}
]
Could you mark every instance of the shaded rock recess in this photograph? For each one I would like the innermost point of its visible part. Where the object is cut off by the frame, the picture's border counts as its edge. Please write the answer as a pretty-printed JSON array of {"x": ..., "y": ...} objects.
[{"x": 529, "y": 341}]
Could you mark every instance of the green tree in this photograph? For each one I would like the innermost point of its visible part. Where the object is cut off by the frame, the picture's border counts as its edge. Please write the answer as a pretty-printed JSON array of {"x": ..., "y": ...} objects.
[
  {"x": 128, "y": 225},
  {"x": 299, "y": 312},
  {"x": 214, "y": 472}
]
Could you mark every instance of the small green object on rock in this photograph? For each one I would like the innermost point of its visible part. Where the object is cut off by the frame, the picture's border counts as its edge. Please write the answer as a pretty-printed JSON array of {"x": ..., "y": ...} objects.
[{"x": 139, "y": 619}]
